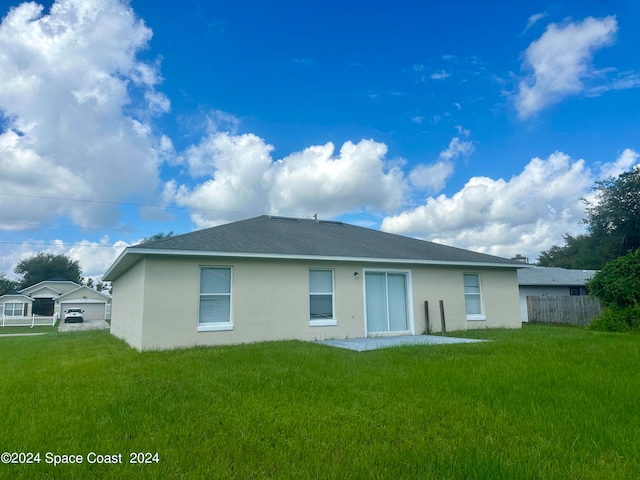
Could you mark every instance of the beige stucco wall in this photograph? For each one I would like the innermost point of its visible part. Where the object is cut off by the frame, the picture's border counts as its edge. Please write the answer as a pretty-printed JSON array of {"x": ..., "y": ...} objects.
[
  {"x": 431, "y": 283},
  {"x": 500, "y": 299},
  {"x": 155, "y": 303},
  {"x": 128, "y": 300},
  {"x": 270, "y": 301}
]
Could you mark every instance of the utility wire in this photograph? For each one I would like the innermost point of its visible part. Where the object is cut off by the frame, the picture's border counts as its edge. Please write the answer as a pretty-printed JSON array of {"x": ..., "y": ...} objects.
[
  {"x": 45, "y": 225},
  {"x": 125, "y": 204},
  {"x": 61, "y": 244},
  {"x": 104, "y": 202}
]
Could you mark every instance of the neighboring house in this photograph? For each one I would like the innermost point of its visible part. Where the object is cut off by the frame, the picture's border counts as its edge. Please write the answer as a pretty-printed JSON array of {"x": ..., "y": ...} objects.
[
  {"x": 552, "y": 282},
  {"x": 277, "y": 278},
  {"x": 52, "y": 297}
]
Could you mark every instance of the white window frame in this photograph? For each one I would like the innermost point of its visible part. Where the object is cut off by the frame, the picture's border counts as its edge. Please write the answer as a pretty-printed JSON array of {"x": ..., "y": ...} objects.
[
  {"x": 474, "y": 316},
  {"x": 217, "y": 326},
  {"x": 325, "y": 322},
  {"x": 409, "y": 293},
  {"x": 12, "y": 302}
]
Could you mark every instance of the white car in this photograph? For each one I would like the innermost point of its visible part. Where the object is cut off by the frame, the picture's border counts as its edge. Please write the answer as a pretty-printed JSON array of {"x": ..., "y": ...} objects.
[{"x": 73, "y": 315}]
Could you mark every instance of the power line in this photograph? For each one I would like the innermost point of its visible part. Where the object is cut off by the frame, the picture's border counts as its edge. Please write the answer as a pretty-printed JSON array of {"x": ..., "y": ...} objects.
[
  {"x": 104, "y": 202},
  {"x": 84, "y": 200},
  {"x": 45, "y": 225},
  {"x": 124, "y": 204},
  {"x": 61, "y": 244}
]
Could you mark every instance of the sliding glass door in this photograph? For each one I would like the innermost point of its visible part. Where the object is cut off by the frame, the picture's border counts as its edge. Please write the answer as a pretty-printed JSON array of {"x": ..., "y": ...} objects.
[{"x": 386, "y": 302}]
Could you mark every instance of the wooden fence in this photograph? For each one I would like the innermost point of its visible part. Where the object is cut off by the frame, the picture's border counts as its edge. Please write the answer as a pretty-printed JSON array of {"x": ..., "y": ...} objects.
[{"x": 572, "y": 310}]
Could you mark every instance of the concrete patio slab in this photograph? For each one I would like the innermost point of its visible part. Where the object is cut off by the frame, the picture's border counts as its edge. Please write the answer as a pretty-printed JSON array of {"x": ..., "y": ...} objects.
[{"x": 373, "y": 343}]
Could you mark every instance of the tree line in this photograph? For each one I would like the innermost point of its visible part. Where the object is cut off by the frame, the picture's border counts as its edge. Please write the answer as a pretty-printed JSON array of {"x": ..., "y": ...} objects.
[
  {"x": 611, "y": 246},
  {"x": 46, "y": 266},
  {"x": 612, "y": 223}
]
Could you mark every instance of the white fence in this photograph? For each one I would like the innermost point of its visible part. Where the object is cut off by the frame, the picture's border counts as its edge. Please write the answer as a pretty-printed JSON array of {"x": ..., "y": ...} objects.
[{"x": 29, "y": 321}]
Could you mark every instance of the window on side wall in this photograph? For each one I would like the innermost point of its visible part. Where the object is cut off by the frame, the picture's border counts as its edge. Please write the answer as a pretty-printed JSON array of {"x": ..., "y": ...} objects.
[
  {"x": 13, "y": 309},
  {"x": 473, "y": 296},
  {"x": 214, "y": 312},
  {"x": 321, "y": 303}
]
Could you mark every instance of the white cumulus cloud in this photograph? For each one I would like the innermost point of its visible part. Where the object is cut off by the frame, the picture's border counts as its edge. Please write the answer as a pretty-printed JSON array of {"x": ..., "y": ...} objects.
[
  {"x": 433, "y": 177},
  {"x": 625, "y": 161},
  {"x": 70, "y": 84},
  {"x": 244, "y": 179},
  {"x": 316, "y": 180},
  {"x": 236, "y": 166},
  {"x": 560, "y": 62},
  {"x": 94, "y": 257},
  {"x": 525, "y": 214}
]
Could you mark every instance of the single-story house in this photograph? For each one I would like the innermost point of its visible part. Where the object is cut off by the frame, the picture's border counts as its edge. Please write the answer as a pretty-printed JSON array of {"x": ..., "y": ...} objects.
[
  {"x": 51, "y": 298},
  {"x": 552, "y": 282},
  {"x": 277, "y": 278}
]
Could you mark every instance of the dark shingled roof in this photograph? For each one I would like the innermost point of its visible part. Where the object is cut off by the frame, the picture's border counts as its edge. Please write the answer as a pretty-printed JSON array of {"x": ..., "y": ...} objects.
[
  {"x": 305, "y": 237},
  {"x": 283, "y": 237}
]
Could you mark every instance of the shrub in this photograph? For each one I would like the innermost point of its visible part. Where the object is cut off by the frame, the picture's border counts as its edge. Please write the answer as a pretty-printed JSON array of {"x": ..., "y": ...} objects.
[
  {"x": 625, "y": 319},
  {"x": 617, "y": 285}
]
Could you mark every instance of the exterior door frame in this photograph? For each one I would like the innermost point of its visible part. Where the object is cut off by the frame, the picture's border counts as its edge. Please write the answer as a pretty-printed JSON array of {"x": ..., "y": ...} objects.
[{"x": 409, "y": 298}]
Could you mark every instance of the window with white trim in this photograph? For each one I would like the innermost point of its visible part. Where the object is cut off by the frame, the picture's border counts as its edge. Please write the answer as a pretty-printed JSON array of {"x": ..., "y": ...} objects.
[
  {"x": 473, "y": 296},
  {"x": 215, "y": 299},
  {"x": 321, "y": 298},
  {"x": 13, "y": 309}
]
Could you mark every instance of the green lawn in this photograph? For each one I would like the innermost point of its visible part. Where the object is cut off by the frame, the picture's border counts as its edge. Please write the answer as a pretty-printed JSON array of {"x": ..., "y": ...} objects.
[
  {"x": 28, "y": 330},
  {"x": 543, "y": 402}
]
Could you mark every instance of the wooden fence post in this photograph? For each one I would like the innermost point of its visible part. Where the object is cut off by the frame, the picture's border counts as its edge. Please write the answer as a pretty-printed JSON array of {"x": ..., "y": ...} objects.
[
  {"x": 426, "y": 314},
  {"x": 444, "y": 324}
]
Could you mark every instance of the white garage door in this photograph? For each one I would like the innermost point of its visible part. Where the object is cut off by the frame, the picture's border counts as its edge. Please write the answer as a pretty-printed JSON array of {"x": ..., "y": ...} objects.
[{"x": 92, "y": 311}]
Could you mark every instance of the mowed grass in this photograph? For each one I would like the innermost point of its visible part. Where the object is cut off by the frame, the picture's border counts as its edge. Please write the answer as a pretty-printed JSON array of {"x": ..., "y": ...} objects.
[
  {"x": 28, "y": 330},
  {"x": 541, "y": 403}
]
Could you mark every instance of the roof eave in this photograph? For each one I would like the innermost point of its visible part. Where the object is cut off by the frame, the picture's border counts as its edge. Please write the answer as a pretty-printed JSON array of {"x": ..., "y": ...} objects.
[
  {"x": 46, "y": 286},
  {"x": 134, "y": 254},
  {"x": 121, "y": 265},
  {"x": 16, "y": 295}
]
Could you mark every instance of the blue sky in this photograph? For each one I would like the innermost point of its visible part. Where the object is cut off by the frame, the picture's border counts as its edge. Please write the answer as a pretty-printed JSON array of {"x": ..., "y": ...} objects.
[{"x": 474, "y": 124}]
